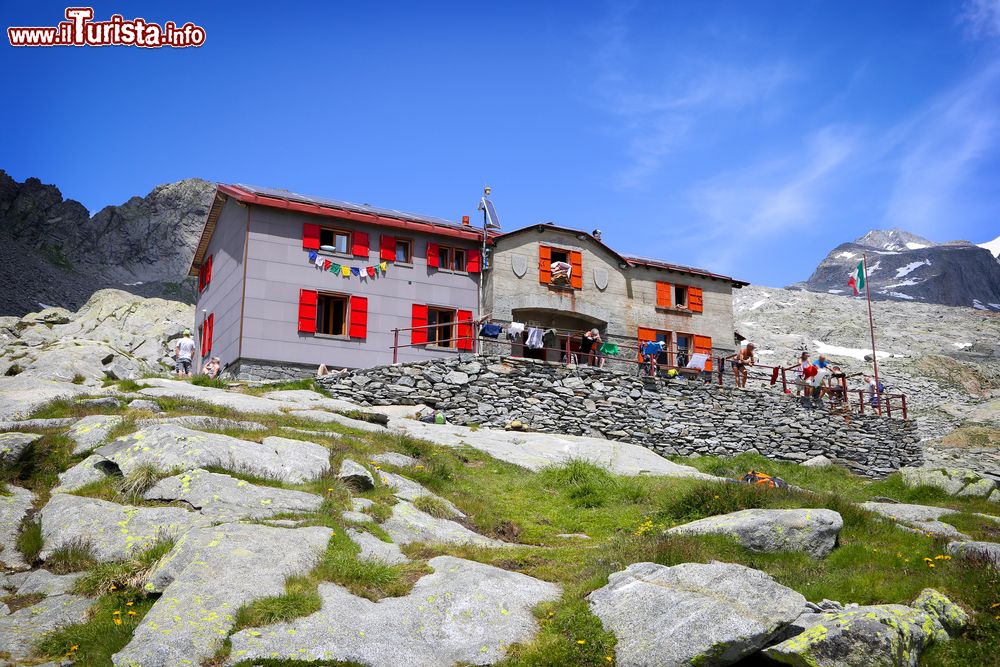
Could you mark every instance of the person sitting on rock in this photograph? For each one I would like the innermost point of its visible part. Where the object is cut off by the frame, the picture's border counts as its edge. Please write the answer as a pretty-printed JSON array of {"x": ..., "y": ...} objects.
[
  {"x": 183, "y": 353},
  {"x": 212, "y": 368}
]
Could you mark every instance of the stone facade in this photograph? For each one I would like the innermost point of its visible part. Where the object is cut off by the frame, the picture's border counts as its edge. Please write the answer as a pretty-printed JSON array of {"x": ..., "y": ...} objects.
[
  {"x": 259, "y": 370},
  {"x": 674, "y": 417}
]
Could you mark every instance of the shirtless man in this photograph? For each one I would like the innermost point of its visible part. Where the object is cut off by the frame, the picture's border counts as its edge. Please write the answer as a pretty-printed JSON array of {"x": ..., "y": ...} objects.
[{"x": 741, "y": 360}]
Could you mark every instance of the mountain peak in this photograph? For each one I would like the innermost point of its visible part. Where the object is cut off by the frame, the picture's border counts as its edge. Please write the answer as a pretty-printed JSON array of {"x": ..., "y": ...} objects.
[{"x": 894, "y": 240}]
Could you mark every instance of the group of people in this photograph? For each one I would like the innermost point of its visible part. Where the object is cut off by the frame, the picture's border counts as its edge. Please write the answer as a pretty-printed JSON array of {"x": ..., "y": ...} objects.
[
  {"x": 184, "y": 357},
  {"x": 813, "y": 379}
]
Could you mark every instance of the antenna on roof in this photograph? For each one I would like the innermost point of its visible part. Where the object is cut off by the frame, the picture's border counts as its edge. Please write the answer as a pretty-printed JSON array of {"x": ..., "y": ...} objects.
[{"x": 490, "y": 219}]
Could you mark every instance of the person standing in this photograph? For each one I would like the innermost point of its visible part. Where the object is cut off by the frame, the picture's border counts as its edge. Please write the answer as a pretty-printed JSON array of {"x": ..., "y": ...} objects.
[
  {"x": 741, "y": 360},
  {"x": 184, "y": 353}
]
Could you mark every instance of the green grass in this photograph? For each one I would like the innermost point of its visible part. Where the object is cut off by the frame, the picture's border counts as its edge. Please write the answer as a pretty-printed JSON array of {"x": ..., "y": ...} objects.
[
  {"x": 433, "y": 506},
  {"x": 125, "y": 575},
  {"x": 78, "y": 379},
  {"x": 75, "y": 556},
  {"x": 101, "y": 636},
  {"x": 41, "y": 462},
  {"x": 205, "y": 381},
  {"x": 29, "y": 540}
]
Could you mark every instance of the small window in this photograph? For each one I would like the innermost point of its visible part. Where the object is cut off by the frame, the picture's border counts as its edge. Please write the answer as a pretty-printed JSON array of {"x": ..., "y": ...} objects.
[
  {"x": 560, "y": 256},
  {"x": 440, "y": 327},
  {"x": 404, "y": 251},
  {"x": 683, "y": 349},
  {"x": 331, "y": 314},
  {"x": 335, "y": 240},
  {"x": 444, "y": 258},
  {"x": 459, "y": 260},
  {"x": 680, "y": 296}
]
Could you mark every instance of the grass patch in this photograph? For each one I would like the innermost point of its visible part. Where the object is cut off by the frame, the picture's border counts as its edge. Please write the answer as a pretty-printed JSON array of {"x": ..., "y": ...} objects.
[
  {"x": 205, "y": 381},
  {"x": 139, "y": 479},
  {"x": 15, "y": 602},
  {"x": 308, "y": 384},
  {"x": 300, "y": 599},
  {"x": 129, "y": 386},
  {"x": 74, "y": 556},
  {"x": 41, "y": 462},
  {"x": 30, "y": 541},
  {"x": 78, "y": 379},
  {"x": 433, "y": 506},
  {"x": 107, "y": 631},
  {"x": 126, "y": 575}
]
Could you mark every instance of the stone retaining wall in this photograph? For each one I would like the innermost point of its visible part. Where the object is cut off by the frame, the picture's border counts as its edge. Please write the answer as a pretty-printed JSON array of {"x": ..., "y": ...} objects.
[{"x": 674, "y": 417}]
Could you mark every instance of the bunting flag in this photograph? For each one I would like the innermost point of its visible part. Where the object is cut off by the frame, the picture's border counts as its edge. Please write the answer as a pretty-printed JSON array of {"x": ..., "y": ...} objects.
[
  {"x": 345, "y": 271},
  {"x": 382, "y": 267},
  {"x": 318, "y": 261},
  {"x": 355, "y": 271},
  {"x": 361, "y": 272},
  {"x": 313, "y": 255},
  {"x": 326, "y": 264},
  {"x": 371, "y": 271}
]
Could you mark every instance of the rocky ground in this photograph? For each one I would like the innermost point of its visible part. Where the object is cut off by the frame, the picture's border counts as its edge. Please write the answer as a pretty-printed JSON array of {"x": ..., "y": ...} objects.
[{"x": 149, "y": 521}]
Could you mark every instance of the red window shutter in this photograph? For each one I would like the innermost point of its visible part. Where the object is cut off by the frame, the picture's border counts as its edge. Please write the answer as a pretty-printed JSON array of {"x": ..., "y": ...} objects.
[
  {"x": 201, "y": 278},
  {"x": 307, "y": 310},
  {"x": 209, "y": 328},
  {"x": 201, "y": 338},
  {"x": 360, "y": 244},
  {"x": 432, "y": 255},
  {"x": 359, "y": 317},
  {"x": 419, "y": 336},
  {"x": 464, "y": 329},
  {"x": 663, "y": 295},
  {"x": 388, "y": 247},
  {"x": 694, "y": 300},
  {"x": 473, "y": 260},
  {"x": 544, "y": 264},
  {"x": 576, "y": 275},
  {"x": 310, "y": 236},
  {"x": 703, "y": 345},
  {"x": 208, "y": 273}
]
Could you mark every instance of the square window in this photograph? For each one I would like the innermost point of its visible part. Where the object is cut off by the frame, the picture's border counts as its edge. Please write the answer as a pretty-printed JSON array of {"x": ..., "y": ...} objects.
[
  {"x": 440, "y": 327},
  {"x": 331, "y": 314},
  {"x": 559, "y": 256},
  {"x": 334, "y": 240},
  {"x": 680, "y": 296},
  {"x": 404, "y": 251}
]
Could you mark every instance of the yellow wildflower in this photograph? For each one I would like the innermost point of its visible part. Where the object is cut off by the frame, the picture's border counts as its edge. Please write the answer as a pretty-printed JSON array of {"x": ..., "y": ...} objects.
[
  {"x": 581, "y": 641},
  {"x": 118, "y": 621},
  {"x": 131, "y": 612}
]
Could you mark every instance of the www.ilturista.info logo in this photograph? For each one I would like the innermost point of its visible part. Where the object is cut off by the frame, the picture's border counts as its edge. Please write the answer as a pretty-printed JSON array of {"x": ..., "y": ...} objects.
[{"x": 79, "y": 29}]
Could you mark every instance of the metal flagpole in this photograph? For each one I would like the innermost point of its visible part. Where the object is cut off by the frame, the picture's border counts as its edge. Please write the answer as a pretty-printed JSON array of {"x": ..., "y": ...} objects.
[{"x": 871, "y": 327}]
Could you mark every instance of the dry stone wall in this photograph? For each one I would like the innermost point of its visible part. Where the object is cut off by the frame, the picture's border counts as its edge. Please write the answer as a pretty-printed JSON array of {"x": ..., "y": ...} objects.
[{"x": 671, "y": 417}]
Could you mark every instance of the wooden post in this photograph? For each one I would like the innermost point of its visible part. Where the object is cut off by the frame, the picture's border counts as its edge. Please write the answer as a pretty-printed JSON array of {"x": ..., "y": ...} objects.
[
  {"x": 784, "y": 381},
  {"x": 861, "y": 404},
  {"x": 903, "y": 400},
  {"x": 395, "y": 345}
]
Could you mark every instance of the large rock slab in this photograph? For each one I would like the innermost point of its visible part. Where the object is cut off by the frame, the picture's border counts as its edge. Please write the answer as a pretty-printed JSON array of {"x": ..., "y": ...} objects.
[
  {"x": 208, "y": 575},
  {"x": 334, "y": 418},
  {"x": 12, "y": 445},
  {"x": 395, "y": 459},
  {"x": 923, "y": 518},
  {"x": 43, "y": 582},
  {"x": 953, "y": 481},
  {"x": 226, "y": 498},
  {"x": 112, "y": 531},
  {"x": 162, "y": 388},
  {"x": 204, "y": 423},
  {"x": 407, "y": 489},
  {"x": 813, "y": 531},
  {"x": 952, "y": 618},
  {"x": 535, "y": 451},
  {"x": 310, "y": 400},
  {"x": 91, "y": 431},
  {"x": 692, "y": 613},
  {"x": 171, "y": 448},
  {"x": 889, "y": 635},
  {"x": 22, "y": 630},
  {"x": 408, "y": 524},
  {"x": 463, "y": 613},
  {"x": 13, "y": 508},
  {"x": 374, "y": 549},
  {"x": 988, "y": 552}
]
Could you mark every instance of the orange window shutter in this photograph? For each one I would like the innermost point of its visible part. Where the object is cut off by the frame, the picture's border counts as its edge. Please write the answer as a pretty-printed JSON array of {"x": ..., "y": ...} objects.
[
  {"x": 576, "y": 275},
  {"x": 694, "y": 300},
  {"x": 663, "y": 295},
  {"x": 703, "y": 345},
  {"x": 544, "y": 264}
]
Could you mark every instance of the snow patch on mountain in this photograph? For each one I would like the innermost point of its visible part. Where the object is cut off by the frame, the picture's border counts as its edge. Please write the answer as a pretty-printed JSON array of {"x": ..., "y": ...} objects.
[
  {"x": 911, "y": 267},
  {"x": 993, "y": 246}
]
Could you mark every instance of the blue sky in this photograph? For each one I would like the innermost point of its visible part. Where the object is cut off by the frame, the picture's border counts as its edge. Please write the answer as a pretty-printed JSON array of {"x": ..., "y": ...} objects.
[{"x": 748, "y": 138}]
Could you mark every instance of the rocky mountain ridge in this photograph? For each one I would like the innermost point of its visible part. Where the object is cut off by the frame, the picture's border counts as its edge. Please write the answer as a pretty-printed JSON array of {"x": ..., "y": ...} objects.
[
  {"x": 906, "y": 267},
  {"x": 53, "y": 253}
]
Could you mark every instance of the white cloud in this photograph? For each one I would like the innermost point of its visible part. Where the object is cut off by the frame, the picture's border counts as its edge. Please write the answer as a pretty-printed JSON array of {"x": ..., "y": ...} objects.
[
  {"x": 981, "y": 18},
  {"x": 654, "y": 117}
]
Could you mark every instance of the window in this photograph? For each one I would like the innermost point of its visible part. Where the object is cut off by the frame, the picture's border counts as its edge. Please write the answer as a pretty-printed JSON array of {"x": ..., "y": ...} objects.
[
  {"x": 335, "y": 240},
  {"x": 568, "y": 274},
  {"x": 451, "y": 259},
  {"x": 683, "y": 349},
  {"x": 560, "y": 256},
  {"x": 440, "y": 326},
  {"x": 680, "y": 296},
  {"x": 404, "y": 251},
  {"x": 656, "y": 336},
  {"x": 205, "y": 274},
  {"x": 331, "y": 314}
]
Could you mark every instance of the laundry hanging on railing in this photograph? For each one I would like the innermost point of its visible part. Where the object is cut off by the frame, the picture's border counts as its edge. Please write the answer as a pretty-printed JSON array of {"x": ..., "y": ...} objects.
[
  {"x": 514, "y": 330},
  {"x": 535, "y": 338},
  {"x": 490, "y": 331}
]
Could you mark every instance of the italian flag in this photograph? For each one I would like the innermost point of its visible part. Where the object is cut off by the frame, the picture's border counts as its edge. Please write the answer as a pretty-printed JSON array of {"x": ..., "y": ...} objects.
[{"x": 857, "y": 279}]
